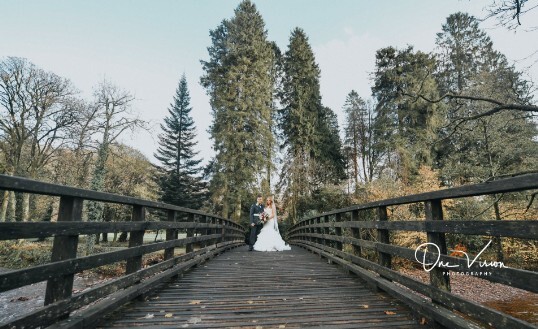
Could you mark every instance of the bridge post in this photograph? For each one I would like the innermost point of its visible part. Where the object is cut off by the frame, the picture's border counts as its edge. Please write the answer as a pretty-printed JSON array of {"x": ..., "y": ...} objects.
[
  {"x": 316, "y": 230},
  {"x": 171, "y": 234},
  {"x": 64, "y": 247},
  {"x": 190, "y": 234},
  {"x": 136, "y": 239},
  {"x": 338, "y": 231},
  {"x": 383, "y": 237},
  {"x": 356, "y": 233},
  {"x": 326, "y": 231},
  {"x": 434, "y": 211},
  {"x": 223, "y": 230}
]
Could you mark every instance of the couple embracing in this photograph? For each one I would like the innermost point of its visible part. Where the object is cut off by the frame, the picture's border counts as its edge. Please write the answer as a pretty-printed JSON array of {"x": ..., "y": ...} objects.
[{"x": 264, "y": 233}]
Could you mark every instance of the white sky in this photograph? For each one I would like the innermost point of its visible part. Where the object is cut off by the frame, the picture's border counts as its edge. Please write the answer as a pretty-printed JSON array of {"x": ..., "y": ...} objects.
[{"x": 145, "y": 46}]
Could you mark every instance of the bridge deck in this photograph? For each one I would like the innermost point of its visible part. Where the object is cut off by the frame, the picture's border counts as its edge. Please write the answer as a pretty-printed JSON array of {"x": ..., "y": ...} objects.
[{"x": 241, "y": 289}]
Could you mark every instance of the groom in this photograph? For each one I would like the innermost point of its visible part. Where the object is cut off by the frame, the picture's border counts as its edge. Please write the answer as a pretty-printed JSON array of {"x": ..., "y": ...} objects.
[{"x": 255, "y": 223}]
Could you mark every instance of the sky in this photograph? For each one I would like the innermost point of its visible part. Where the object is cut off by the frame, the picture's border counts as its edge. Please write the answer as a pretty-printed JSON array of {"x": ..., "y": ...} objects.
[{"x": 144, "y": 46}]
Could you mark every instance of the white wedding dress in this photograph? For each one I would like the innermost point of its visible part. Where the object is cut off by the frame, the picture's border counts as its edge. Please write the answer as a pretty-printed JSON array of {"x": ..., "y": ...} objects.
[{"x": 269, "y": 238}]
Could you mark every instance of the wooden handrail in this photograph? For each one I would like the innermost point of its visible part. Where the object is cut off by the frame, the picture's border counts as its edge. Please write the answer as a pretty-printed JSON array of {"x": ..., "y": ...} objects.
[
  {"x": 215, "y": 234},
  {"x": 514, "y": 184},
  {"x": 19, "y": 184},
  {"x": 325, "y": 234}
]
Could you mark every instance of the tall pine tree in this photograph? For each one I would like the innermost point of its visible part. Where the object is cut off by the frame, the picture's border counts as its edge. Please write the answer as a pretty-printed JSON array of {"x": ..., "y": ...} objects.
[
  {"x": 181, "y": 182},
  {"x": 313, "y": 150},
  {"x": 239, "y": 80}
]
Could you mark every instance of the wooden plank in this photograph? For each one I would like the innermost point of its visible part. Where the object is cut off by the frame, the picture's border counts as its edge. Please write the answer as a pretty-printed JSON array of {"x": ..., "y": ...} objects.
[
  {"x": 136, "y": 239},
  {"x": 523, "y": 279},
  {"x": 88, "y": 317},
  {"x": 63, "y": 248},
  {"x": 443, "y": 316},
  {"x": 383, "y": 236},
  {"x": 447, "y": 299},
  {"x": 25, "y": 230},
  {"x": 20, "y": 184},
  {"x": 355, "y": 233},
  {"x": 514, "y": 184},
  {"x": 292, "y": 289},
  {"x": 524, "y": 229},
  {"x": 171, "y": 234},
  {"x": 46, "y": 316},
  {"x": 190, "y": 233},
  {"x": 434, "y": 212},
  {"x": 338, "y": 231},
  {"x": 19, "y": 278}
]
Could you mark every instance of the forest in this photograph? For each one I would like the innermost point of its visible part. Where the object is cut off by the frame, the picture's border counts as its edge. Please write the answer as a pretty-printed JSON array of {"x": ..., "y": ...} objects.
[{"x": 459, "y": 115}]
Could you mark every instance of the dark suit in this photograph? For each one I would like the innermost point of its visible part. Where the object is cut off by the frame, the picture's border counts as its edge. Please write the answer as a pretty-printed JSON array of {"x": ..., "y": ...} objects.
[{"x": 255, "y": 211}]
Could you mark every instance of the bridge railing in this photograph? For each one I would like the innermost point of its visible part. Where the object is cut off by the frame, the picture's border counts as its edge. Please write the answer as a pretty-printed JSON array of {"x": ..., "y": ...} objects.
[
  {"x": 340, "y": 236},
  {"x": 213, "y": 234}
]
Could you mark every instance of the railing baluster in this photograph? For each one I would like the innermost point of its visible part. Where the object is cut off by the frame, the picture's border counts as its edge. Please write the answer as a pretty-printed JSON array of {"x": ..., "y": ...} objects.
[
  {"x": 171, "y": 234},
  {"x": 223, "y": 230},
  {"x": 434, "y": 211},
  {"x": 383, "y": 236},
  {"x": 338, "y": 231},
  {"x": 136, "y": 239},
  {"x": 356, "y": 233},
  {"x": 190, "y": 234},
  {"x": 64, "y": 247}
]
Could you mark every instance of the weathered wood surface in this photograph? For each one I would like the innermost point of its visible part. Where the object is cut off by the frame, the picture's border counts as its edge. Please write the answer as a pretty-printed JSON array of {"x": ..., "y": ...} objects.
[
  {"x": 19, "y": 184},
  {"x": 452, "y": 302},
  {"x": 527, "y": 229},
  {"x": 513, "y": 184},
  {"x": 241, "y": 289}
]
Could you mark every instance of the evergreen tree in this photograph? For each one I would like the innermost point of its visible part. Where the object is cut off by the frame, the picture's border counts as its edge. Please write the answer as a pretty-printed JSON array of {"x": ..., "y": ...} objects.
[
  {"x": 329, "y": 157},
  {"x": 463, "y": 50},
  {"x": 491, "y": 146},
  {"x": 181, "y": 183},
  {"x": 359, "y": 138},
  {"x": 239, "y": 80},
  {"x": 313, "y": 150},
  {"x": 405, "y": 127}
]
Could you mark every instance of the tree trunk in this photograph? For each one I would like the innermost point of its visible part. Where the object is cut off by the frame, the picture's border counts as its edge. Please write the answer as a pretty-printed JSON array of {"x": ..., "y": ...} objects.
[
  {"x": 12, "y": 207},
  {"x": 237, "y": 212},
  {"x": 5, "y": 203},
  {"x": 25, "y": 207}
]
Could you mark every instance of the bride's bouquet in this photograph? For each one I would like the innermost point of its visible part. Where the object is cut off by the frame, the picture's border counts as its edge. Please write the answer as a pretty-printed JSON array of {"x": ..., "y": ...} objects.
[{"x": 264, "y": 217}]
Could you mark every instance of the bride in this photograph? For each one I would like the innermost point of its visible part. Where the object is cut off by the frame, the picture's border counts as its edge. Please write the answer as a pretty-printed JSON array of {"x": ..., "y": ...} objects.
[{"x": 269, "y": 238}]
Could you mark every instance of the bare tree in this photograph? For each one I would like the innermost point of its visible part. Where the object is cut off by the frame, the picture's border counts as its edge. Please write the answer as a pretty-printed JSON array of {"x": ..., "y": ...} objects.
[
  {"x": 35, "y": 113},
  {"x": 112, "y": 113},
  {"x": 509, "y": 12}
]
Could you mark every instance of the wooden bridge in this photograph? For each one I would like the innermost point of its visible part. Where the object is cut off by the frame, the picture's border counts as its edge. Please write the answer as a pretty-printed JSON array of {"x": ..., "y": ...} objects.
[{"x": 339, "y": 273}]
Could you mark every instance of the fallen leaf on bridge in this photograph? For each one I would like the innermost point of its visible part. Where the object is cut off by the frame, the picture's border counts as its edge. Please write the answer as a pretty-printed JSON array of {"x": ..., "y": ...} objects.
[
  {"x": 365, "y": 306},
  {"x": 149, "y": 316},
  {"x": 20, "y": 299},
  {"x": 389, "y": 313},
  {"x": 195, "y": 320},
  {"x": 195, "y": 302},
  {"x": 168, "y": 315}
]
